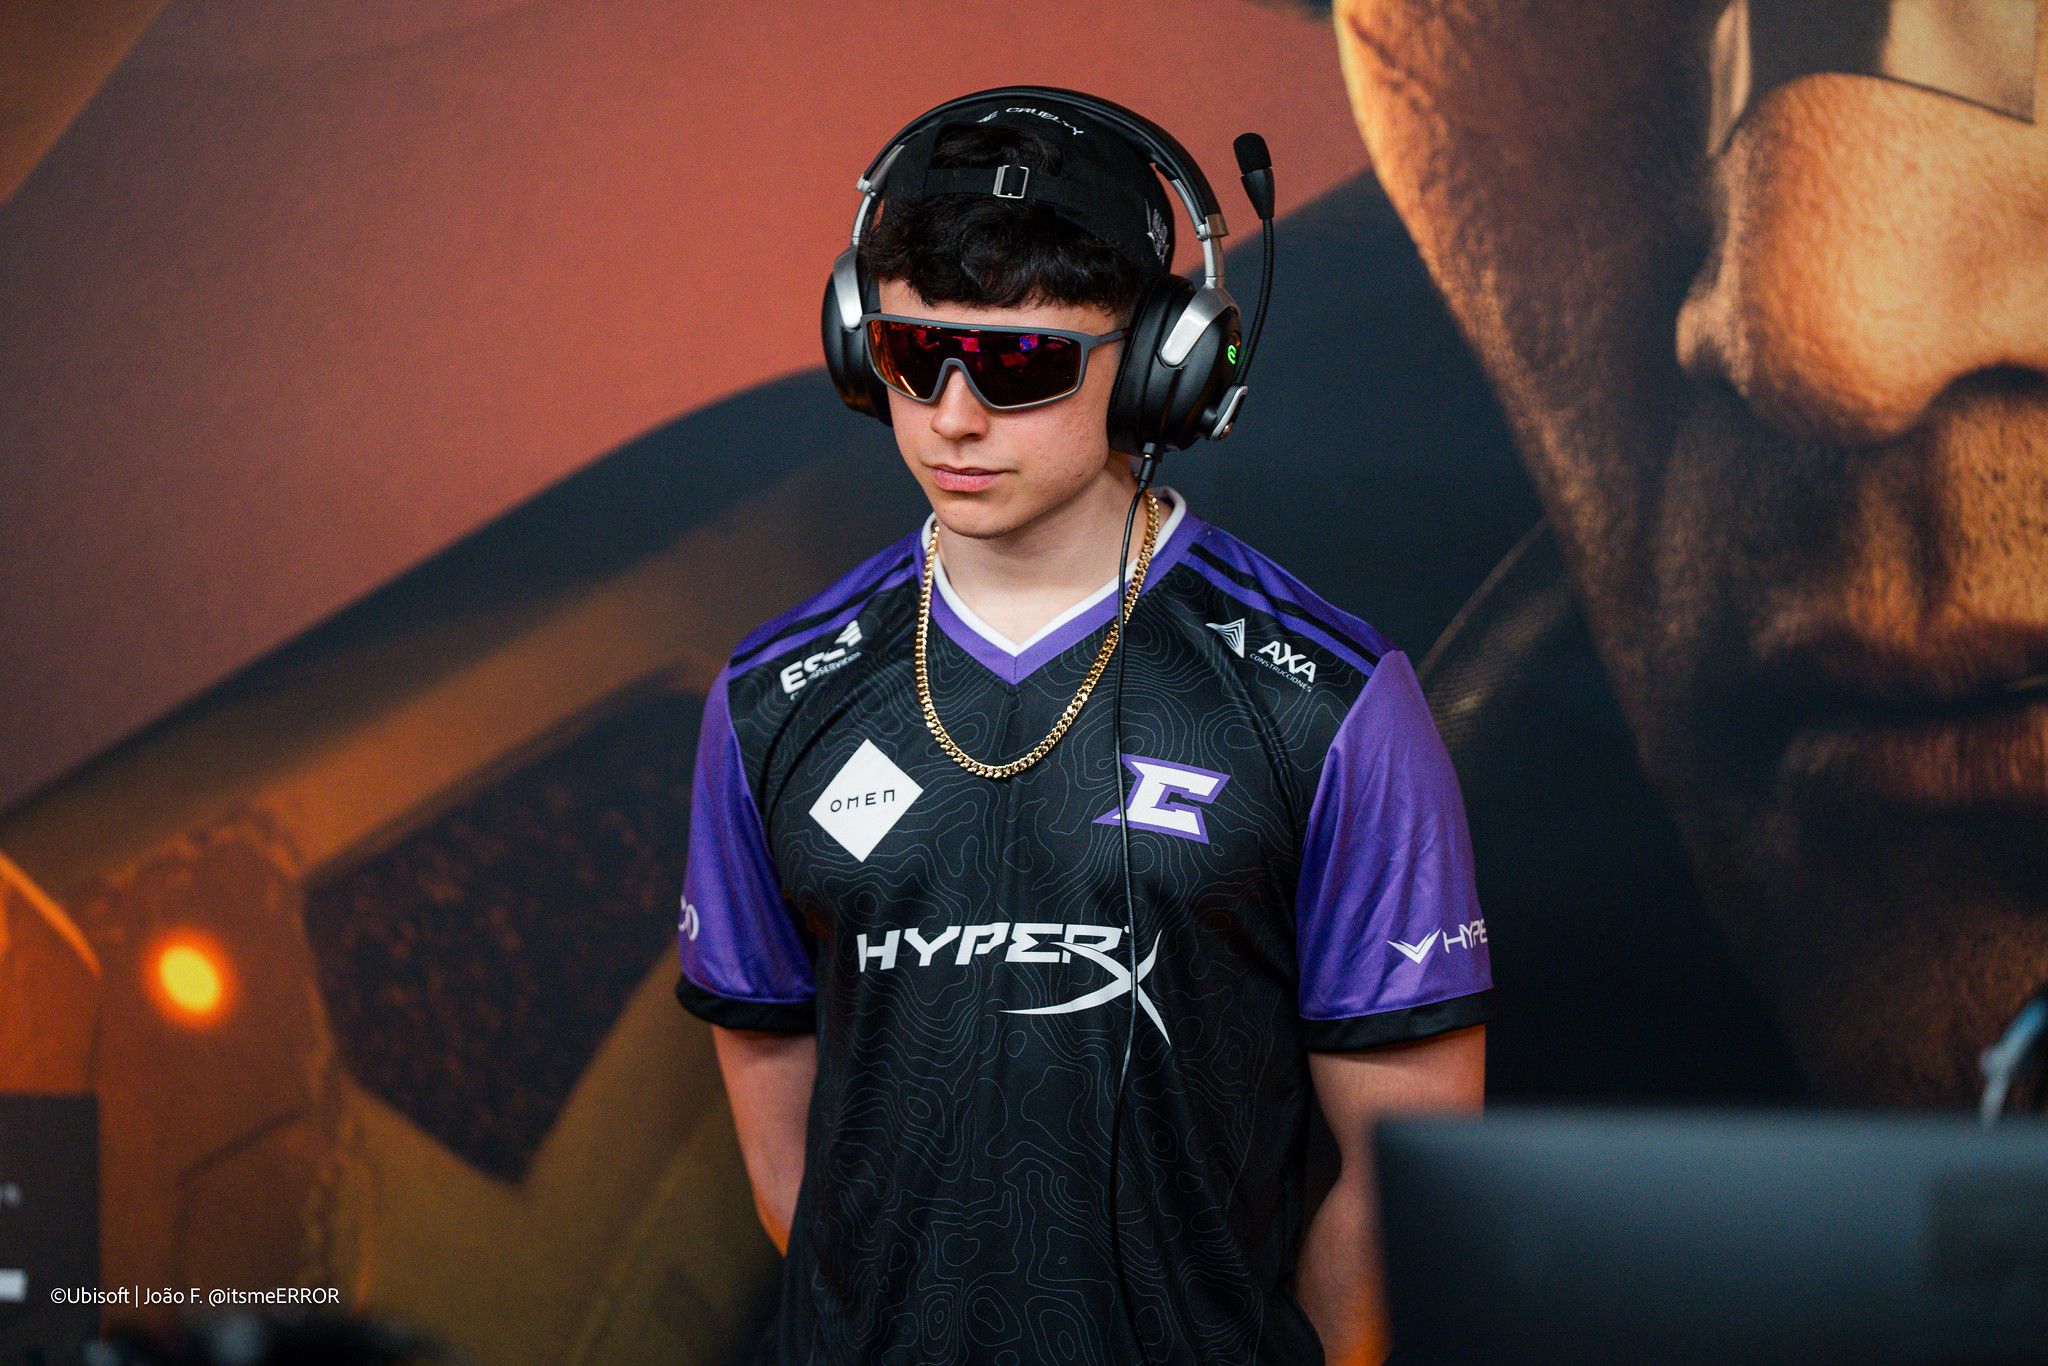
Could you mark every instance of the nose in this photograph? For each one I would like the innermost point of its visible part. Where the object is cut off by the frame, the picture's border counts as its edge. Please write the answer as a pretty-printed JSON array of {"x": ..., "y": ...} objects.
[
  {"x": 957, "y": 414},
  {"x": 1875, "y": 245}
]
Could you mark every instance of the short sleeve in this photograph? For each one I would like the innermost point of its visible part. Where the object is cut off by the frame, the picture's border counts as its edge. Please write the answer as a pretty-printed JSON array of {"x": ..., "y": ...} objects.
[
  {"x": 1389, "y": 936},
  {"x": 745, "y": 961}
]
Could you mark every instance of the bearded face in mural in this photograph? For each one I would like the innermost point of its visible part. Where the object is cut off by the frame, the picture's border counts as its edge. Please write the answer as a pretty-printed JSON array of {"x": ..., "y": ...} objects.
[{"x": 1773, "y": 335}]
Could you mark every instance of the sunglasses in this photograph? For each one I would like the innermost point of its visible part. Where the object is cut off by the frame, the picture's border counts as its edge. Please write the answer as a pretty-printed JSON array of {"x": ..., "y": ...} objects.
[{"x": 1006, "y": 367}]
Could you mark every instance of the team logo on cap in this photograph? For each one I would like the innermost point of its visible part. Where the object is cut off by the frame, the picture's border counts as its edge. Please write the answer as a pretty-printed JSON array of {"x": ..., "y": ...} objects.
[{"x": 1155, "y": 228}]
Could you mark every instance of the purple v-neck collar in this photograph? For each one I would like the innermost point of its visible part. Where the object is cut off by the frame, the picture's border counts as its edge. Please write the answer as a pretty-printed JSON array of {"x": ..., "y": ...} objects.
[{"x": 1015, "y": 668}]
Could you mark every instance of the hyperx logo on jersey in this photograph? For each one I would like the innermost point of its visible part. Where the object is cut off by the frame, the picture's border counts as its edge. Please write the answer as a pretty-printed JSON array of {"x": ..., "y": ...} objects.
[
  {"x": 1028, "y": 942},
  {"x": 956, "y": 942},
  {"x": 1468, "y": 936}
]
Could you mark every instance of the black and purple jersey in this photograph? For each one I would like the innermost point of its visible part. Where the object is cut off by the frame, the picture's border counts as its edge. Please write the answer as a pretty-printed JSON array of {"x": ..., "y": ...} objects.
[{"x": 1303, "y": 881}]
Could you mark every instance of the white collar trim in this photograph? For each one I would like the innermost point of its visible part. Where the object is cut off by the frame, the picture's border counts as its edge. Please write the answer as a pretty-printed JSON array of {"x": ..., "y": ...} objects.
[{"x": 1002, "y": 642}]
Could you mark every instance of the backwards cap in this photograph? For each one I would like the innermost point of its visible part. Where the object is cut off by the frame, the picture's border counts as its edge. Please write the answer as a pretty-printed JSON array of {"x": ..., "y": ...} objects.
[{"x": 1105, "y": 185}]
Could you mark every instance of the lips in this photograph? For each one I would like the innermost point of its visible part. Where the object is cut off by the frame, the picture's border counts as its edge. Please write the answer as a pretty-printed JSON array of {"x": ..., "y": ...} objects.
[
  {"x": 962, "y": 478},
  {"x": 1954, "y": 717}
]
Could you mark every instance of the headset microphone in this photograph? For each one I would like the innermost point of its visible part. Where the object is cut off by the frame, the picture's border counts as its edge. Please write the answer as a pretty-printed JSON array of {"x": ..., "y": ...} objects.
[{"x": 1255, "y": 165}]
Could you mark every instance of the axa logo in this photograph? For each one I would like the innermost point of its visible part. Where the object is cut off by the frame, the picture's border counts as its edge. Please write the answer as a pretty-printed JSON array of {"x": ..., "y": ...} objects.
[
  {"x": 1232, "y": 633},
  {"x": 1467, "y": 936},
  {"x": 1169, "y": 797},
  {"x": 1284, "y": 657},
  {"x": 1020, "y": 942},
  {"x": 1277, "y": 654},
  {"x": 797, "y": 674}
]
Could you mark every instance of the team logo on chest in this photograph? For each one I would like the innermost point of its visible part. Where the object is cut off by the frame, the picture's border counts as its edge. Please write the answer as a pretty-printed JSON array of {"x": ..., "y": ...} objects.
[
  {"x": 1168, "y": 797},
  {"x": 864, "y": 800}
]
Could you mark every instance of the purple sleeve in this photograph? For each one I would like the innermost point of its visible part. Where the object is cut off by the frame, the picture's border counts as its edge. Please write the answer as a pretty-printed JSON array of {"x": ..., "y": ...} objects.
[
  {"x": 1388, "y": 932},
  {"x": 745, "y": 961}
]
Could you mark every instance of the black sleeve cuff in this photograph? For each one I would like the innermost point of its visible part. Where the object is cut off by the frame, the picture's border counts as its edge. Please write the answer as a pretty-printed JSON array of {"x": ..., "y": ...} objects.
[
  {"x": 1397, "y": 1026},
  {"x": 789, "y": 1017}
]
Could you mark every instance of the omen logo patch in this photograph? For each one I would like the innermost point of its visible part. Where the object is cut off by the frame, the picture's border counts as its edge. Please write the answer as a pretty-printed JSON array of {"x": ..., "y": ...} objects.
[
  {"x": 1168, "y": 797},
  {"x": 864, "y": 801}
]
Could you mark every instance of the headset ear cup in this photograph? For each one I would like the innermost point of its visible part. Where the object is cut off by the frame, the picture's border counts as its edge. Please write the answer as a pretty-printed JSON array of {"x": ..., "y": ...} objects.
[
  {"x": 1165, "y": 405},
  {"x": 1188, "y": 406},
  {"x": 1132, "y": 418},
  {"x": 846, "y": 349}
]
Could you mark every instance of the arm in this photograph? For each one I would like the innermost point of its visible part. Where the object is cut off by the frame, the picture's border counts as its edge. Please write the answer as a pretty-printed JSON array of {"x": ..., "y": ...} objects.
[
  {"x": 747, "y": 970},
  {"x": 768, "y": 1077},
  {"x": 1339, "y": 1279}
]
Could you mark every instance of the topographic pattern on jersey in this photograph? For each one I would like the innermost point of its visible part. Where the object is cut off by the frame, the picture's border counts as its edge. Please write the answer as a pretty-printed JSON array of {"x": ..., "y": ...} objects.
[{"x": 955, "y": 1203}]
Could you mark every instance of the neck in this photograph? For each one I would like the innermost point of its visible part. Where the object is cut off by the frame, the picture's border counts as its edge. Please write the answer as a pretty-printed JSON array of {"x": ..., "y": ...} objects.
[{"x": 1023, "y": 578}]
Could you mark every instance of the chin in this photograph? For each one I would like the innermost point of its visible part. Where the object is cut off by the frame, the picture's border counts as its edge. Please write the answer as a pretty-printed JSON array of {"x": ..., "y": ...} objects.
[
  {"x": 1893, "y": 947},
  {"x": 976, "y": 515}
]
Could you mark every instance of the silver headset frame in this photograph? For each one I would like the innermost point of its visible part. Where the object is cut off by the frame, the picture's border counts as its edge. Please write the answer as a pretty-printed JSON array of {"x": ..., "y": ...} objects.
[{"x": 1209, "y": 303}]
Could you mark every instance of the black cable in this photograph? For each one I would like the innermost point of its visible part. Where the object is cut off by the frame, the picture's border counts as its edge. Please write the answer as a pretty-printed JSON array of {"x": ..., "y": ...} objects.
[
  {"x": 1146, "y": 470},
  {"x": 1251, "y": 349}
]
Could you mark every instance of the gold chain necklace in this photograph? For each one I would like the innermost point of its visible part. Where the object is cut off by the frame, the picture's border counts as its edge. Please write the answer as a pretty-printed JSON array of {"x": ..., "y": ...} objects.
[{"x": 1038, "y": 751}]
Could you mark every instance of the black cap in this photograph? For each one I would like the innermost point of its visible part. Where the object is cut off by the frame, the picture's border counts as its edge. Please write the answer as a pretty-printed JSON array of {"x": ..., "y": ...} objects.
[{"x": 1105, "y": 186}]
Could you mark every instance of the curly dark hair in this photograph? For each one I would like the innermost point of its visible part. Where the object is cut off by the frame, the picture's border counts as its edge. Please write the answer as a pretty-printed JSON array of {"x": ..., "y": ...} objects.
[{"x": 996, "y": 253}]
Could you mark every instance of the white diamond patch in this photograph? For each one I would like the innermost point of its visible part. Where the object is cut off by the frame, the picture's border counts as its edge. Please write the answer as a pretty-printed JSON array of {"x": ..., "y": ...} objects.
[{"x": 864, "y": 802}]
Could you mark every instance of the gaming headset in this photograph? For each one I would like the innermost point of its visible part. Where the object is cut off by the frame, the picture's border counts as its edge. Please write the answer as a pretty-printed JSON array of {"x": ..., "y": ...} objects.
[{"x": 1181, "y": 375}]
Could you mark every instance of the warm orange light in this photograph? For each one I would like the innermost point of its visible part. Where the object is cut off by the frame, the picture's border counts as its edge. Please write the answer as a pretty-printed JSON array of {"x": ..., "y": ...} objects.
[{"x": 190, "y": 980}]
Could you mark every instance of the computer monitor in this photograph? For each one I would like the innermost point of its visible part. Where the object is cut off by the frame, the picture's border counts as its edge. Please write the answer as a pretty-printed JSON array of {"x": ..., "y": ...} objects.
[
  {"x": 1591, "y": 1236},
  {"x": 49, "y": 1226}
]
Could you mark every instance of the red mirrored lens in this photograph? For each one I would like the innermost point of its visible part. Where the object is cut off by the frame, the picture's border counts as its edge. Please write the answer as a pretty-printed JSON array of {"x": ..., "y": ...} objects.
[{"x": 1007, "y": 369}]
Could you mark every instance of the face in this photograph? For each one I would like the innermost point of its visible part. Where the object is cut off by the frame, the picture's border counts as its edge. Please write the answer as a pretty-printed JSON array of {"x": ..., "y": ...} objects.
[
  {"x": 991, "y": 474},
  {"x": 1786, "y": 405}
]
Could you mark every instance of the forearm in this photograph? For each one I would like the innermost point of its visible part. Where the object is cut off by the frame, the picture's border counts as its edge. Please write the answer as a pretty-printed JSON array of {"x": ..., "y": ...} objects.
[
  {"x": 1338, "y": 1274},
  {"x": 769, "y": 1079}
]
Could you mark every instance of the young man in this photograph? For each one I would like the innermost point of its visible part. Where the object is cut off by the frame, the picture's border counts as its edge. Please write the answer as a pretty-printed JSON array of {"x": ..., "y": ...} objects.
[{"x": 918, "y": 974}]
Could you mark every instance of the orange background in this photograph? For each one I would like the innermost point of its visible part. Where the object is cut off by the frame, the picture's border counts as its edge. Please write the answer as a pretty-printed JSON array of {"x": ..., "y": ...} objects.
[{"x": 305, "y": 293}]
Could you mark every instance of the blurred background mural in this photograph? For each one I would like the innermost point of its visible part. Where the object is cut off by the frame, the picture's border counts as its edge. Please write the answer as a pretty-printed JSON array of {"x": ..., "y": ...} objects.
[{"x": 405, "y": 406}]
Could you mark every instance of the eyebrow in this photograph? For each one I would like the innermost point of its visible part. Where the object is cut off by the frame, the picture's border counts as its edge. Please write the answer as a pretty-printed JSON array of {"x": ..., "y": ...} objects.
[{"x": 1981, "y": 51}]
